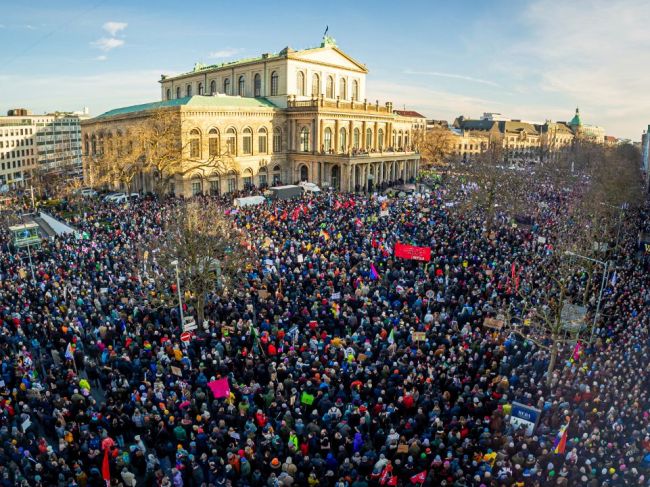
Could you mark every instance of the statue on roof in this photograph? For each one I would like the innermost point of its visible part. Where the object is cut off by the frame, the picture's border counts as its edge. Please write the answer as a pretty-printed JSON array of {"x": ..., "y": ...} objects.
[
  {"x": 327, "y": 40},
  {"x": 198, "y": 66}
]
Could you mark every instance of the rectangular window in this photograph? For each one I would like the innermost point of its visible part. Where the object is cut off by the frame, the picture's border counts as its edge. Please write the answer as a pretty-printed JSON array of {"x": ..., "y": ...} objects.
[
  {"x": 248, "y": 145},
  {"x": 196, "y": 188},
  {"x": 214, "y": 188},
  {"x": 262, "y": 144},
  {"x": 248, "y": 181},
  {"x": 232, "y": 185},
  {"x": 277, "y": 142},
  {"x": 213, "y": 146},
  {"x": 262, "y": 178}
]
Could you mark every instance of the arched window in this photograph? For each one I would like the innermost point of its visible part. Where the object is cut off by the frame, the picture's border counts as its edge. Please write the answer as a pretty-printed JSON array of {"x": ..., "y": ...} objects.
[
  {"x": 315, "y": 85},
  {"x": 277, "y": 139},
  {"x": 200, "y": 88},
  {"x": 257, "y": 85},
  {"x": 214, "y": 147},
  {"x": 304, "y": 173},
  {"x": 87, "y": 144},
  {"x": 329, "y": 88},
  {"x": 169, "y": 94},
  {"x": 195, "y": 144},
  {"x": 247, "y": 141},
  {"x": 380, "y": 139},
  {"x": 394, "y": 143},
  {"x": 188, "y": 90},
  {"x": 178, "y": 92},
  {"x": 226, "y": 86},
  {"x": 274, "y": 83},
  {"x": 248, "y": 178},
  {"x": 335, "y": 177},
  {"x": 300, "y": 83},
  {"x": 406, "y": 140},
  {"x": 343, "y": 140},
  {"x": 399, "y": 139},
  {"x": 327, "y": 140},
  {"x": 213, "y": 87},
  {"x": 276, "y": 174},
  {"x": 355, "y": 90},
  {"x": 231, "y": 141},
  {"x": 197, "y": 185},
  {"x": 93, "y": 144},
  {"x": 355, "y": 139},
  {"x": 304, "y": 139},
  {"x": 262, "y": 176},
  {"x": 241, "y": 90},
  {"x": 343, "y": 89},
  {"x": 368, "y": 139},
  {"x": 262, "y": 145}
]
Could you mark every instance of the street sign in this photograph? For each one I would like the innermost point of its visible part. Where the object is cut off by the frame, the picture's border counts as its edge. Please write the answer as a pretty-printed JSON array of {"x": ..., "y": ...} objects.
[
  {"x": 189, "y": 324},
  {"x": 186, "y": 336}
]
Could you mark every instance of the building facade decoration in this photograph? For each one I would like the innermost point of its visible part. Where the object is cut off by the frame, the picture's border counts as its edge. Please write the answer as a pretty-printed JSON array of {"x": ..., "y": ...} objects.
[{"x": 287, "y": 117}]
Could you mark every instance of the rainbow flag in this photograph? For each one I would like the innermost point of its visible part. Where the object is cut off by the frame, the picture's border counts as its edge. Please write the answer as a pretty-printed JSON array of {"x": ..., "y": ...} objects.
[
  {"x": 374, "y": 275},
  {"x": 560, "y": 441}
]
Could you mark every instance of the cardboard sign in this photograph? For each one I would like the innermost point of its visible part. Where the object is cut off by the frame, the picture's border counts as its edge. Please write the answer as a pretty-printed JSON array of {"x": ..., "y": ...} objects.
[
  {"x": 307, "y": 399},
  {"x": 402, "y": 449},
  {"x": 361, "y": 357},
  {"x": 419, "y": 336},
  {"x": 493, "y": 323},
  {"x": 411, "y": 252},
  {"x": 220, "y": 388},
  {"x": 263, "y": 294},
  {"x": 177, "y": 371},
  {"x": 335, "y": 296}
]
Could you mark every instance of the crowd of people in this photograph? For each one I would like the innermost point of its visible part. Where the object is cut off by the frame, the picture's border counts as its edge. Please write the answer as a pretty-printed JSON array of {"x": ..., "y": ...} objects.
[{"x": 338, "y": 364}]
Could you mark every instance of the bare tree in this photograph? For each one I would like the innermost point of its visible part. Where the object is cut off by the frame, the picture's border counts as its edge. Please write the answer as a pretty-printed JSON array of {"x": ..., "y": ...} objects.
[
  {"x": 435, "y": 145},
  {"x": 210, "y": 251},
  {"x": 160, "y": 144}
]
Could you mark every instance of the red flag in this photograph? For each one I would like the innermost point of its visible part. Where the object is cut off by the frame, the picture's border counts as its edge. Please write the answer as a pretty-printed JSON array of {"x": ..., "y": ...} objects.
[
  {"x": 392, "y": 481},
  {"x": 419, "y": 478},
  {"x": 295, "y": 213},
  {"x": 337, "y": 205},
  {"x": 305, "y": 209},
  {"x": 284, "y": 215},
  {"x": 106, "y": 469}
]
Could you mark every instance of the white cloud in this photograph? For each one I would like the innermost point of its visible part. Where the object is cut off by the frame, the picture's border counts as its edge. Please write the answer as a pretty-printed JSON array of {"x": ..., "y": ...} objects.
[
  {"x": 224, "y": 53},
  {"x": 591, "y": 52},
  {"x": 108, "y": 43},
  {"x": 101, "y": 58},
  {"x": 451, "y": 76},
  {"x": 114, "y": 27}
]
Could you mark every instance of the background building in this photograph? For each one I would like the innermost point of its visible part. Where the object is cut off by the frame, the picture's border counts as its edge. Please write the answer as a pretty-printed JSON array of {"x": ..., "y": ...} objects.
[
  {"x": 521, "y": 140},
  {"x": 286, "y": 117},
  {"x": 44, "y": 144}
]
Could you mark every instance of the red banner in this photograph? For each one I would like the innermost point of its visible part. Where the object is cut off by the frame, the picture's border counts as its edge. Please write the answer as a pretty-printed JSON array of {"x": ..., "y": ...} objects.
[{"x": 412, "y": 252}]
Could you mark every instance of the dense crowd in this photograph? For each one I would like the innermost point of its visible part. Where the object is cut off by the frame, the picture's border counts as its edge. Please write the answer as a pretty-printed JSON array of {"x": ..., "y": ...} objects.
[{"x": 326, "y": 383}]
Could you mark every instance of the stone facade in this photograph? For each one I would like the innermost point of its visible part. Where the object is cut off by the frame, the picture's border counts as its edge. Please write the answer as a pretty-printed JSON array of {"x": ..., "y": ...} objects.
[{"x": 301, "y": 116}]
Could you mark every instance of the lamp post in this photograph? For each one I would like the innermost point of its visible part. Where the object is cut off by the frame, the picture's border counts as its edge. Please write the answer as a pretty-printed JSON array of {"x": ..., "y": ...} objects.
[
  {"x": 602, "y": 288},
  {"x": 178, "y": 289}
]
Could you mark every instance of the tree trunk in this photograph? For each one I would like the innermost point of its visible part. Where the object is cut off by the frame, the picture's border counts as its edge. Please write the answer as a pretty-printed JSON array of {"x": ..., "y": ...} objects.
[
  {"x": 200, "y": 308},
  {"x": 551, "y": 363}
]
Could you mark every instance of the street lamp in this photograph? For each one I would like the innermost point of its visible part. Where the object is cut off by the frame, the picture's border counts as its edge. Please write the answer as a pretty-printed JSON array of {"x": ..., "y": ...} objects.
[
  {"x": 178, "y": 288},
  {"x": 602, "y": 287}
]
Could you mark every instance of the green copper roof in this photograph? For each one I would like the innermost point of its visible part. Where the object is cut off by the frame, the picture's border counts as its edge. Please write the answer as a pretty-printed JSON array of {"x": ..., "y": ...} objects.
[
  {"x": 198, "y": 101},
  {"x": 576, "y": 121}
]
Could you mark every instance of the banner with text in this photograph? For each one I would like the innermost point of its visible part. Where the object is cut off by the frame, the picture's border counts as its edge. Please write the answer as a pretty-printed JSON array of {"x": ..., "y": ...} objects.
[{"x": 412, "y": 252}]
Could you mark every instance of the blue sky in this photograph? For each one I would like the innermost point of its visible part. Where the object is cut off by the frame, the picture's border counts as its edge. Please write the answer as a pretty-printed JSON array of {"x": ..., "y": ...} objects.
[{"x": 531, "y": 60}]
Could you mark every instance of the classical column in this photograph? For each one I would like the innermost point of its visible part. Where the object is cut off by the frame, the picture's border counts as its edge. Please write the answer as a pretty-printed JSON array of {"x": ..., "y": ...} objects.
[
  {"x": 363, "y": 135},
  {"x": 320, "y": 133},
  {"x": 336, "y": 136},
  {"x": 316, "y": 139},
  {"x": 353, "y": 177},
  {"x": 375, "y": 137},
  {"x": 349, "y": 147}
]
